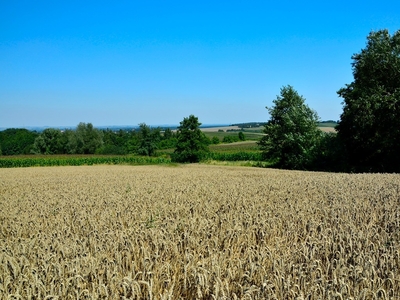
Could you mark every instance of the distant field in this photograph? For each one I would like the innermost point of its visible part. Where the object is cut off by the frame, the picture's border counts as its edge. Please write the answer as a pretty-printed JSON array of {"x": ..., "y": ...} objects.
[
  {"x": 257, "y": 132},
  {"x": 215, "y": 129},
  {"x": 327, "y": 129},
  {"x": 197, "y": 232},
  {"x": 238, "y": 146},
  {"x": 221, "y": 135}
]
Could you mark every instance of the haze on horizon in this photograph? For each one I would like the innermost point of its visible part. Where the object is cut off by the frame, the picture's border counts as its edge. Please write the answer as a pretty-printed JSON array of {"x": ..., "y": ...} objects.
[{"x": 157, "y": 62}]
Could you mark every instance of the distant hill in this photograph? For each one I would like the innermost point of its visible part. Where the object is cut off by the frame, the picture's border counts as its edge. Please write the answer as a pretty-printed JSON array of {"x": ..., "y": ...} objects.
[
  {"x": 329, "y": 123},
  {"x": 249, "y": 124}
]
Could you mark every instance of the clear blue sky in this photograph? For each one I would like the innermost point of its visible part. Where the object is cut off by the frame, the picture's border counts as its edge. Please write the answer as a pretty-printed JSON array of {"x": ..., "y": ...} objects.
[{"x": 127, "y": 62}]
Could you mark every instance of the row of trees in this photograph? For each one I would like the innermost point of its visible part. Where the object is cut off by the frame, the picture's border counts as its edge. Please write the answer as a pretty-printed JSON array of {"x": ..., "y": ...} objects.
[
  {"x": 86, "y": 139},
  {"x": 368, "y": 133}
]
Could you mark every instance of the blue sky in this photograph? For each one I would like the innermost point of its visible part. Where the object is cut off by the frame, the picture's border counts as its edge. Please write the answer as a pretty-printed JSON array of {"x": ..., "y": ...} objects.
[{"x": 128, "y": 62}]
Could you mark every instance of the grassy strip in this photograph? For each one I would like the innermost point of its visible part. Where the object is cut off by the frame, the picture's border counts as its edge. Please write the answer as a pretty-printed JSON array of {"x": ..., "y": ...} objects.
[{"x": 21, "y": 162}]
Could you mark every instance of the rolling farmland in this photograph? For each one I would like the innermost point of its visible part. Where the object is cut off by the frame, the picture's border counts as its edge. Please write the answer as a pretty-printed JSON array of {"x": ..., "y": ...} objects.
[{"x": 197, "y": 232}]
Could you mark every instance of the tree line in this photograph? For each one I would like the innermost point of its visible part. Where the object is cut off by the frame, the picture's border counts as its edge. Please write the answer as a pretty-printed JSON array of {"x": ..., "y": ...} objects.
[{"x": 86, "y": 139}]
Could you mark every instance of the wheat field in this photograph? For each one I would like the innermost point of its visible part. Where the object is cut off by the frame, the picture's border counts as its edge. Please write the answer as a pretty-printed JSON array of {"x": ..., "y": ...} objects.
[{"x": 197, "y": 232}]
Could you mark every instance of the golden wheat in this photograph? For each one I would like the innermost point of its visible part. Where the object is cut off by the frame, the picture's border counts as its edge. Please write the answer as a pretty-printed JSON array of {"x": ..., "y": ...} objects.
[{"x": 197, "y": 232}]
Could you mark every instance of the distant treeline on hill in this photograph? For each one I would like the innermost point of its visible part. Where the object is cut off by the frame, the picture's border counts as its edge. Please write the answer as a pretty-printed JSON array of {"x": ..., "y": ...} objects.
[
  {"x": 86, "y": 139},
  {"x": 249, "y": 124},
  {"x": 328, "y": 123}
]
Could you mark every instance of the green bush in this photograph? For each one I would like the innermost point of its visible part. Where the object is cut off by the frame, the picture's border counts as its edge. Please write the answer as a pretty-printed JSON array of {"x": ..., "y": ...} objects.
[
  {"x": 215, "y": 140},
  {"x": 230, "y": 139}
]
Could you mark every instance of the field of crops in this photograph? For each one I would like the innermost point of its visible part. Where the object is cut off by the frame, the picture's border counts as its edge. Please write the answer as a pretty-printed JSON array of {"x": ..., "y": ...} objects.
[
  {"x": 197, "y": 232},
  {"x": 21, "y": 161}
]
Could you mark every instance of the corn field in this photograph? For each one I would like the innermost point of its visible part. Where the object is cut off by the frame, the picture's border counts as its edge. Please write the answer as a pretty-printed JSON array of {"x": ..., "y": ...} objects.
[
  {"x": 71, "y": 160},
  {"x": 197, "y": 232}
]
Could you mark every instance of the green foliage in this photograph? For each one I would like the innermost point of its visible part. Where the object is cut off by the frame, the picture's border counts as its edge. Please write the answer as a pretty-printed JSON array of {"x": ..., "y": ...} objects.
[
  {"x": 148, "y": 139},
  {"x": 84, "y": 140},
  {"x": 291, "y": 134},
  {"x": 168, "y": 134},
  {"x": 230, "y": 139},
  {"x": 111, "y": 149},
  {"x": 241, "y": 136},
  {"x": 215, "y": 140},
  {"x": 192, "y": 144},
  {"x": 88, "y": 138},
  {"x": 71, "y": 160},
  {"x": 328, "y": 154},
  {"x": 370, "y": 123},
  {"x": 48, "y": 142},
  {"x": 116, "y": 142},
  {"x": 15, "y": 141},
  {"x": 167, "y": 143},
  {"x": 168, "y": 140}
]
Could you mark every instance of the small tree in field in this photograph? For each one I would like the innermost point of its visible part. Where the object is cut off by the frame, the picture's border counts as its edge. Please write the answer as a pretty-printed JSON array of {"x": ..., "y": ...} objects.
[
  {"x": 192, "y": 144},
  {"x": 241, "y": 136},
  {"x": 292, "y": 133}
]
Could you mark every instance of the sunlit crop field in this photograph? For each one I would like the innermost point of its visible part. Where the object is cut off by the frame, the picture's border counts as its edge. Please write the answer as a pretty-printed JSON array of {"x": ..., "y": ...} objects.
[{"x": 197, "y": 232}]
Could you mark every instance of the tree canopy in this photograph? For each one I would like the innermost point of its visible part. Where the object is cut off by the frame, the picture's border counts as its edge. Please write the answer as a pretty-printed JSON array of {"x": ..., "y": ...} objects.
[
  {"x": 370, "y": 123},
  {"x": 15, "y": 141},
  {"x": 148, "y": 140},
  {"x": 192, "y": 144},
  {"x": 291, "y": 134}
]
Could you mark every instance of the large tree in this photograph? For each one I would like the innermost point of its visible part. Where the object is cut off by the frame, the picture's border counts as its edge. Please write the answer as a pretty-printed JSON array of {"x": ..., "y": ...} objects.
[
  {"x": 192, "y": 144},
  {"x": 88, "y": 138},
  {"x": 370, "y": 123},
  {"x": 291, "y": 134},
  {"x": 49, "y": 142}
]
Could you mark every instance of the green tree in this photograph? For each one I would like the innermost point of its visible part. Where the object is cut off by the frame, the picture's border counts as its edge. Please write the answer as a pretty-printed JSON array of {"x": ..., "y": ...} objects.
[
  {"x": 291, "y": 134},
  {"x": 49, "y": 142},
  {"x": 16, "y": 141},
  {"x": 168, "y": 140},
  {"x": 71, "y": 141},
  {"x": 89, "y": 139},
  {"x": 230, "y": 139},
  {"x": 241, "y": 136},
  {"x": 369, "y": 126},
  {"x": 114, "y": 142},
  {"x": 148, "y": 140},
  {"x": 215, "y": 140},
  {"x": 192, "y": 144},
  {"x": 168, "y": 134}
]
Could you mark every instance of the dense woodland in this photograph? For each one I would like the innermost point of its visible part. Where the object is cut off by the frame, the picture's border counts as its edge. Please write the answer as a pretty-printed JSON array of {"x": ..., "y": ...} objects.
[{"x": 367, "y": 137}]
